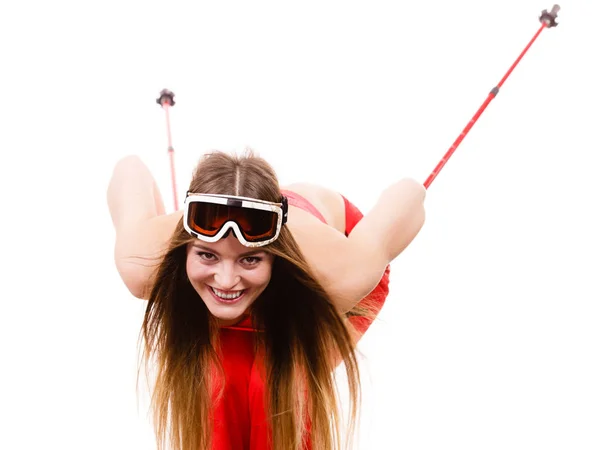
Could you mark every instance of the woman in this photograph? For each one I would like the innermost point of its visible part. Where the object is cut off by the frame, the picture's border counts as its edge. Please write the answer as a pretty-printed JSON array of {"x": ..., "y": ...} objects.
[{"x": 255, "y": 295}]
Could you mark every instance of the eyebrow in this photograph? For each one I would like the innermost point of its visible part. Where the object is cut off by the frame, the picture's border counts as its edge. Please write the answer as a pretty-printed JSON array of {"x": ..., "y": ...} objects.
[{"x": 210, "y": 250}]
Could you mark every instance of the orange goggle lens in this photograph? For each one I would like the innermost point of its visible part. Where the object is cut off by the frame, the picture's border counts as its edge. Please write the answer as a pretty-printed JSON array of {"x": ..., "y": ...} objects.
[{"x": 208, "y": 218}]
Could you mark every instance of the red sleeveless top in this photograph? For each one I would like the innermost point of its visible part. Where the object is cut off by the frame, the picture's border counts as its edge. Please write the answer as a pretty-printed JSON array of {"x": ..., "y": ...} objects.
[{"x": 240, "y": 420}]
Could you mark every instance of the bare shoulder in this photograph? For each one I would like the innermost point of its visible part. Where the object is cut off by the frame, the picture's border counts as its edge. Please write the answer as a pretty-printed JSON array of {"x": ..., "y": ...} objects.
[{"x": 327, "y": 201}]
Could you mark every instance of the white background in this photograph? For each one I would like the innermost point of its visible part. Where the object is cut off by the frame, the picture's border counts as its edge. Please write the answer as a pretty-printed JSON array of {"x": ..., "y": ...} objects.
[{"x": 490, "y": 336}]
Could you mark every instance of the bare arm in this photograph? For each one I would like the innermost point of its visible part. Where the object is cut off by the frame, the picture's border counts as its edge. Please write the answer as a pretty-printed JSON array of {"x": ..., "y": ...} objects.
[
  {"x": 350, "y": 268},
  {"x": 142, "y": 228},
  {"x": 394, "y": 222}
]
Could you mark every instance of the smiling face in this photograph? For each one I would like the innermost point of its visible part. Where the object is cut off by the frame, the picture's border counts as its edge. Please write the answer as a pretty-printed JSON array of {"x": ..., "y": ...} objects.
[{"x": 228, "y": 276}]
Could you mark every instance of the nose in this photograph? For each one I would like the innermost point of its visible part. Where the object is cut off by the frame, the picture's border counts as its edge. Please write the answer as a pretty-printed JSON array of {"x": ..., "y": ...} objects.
[{"x": 227, "y": 277}]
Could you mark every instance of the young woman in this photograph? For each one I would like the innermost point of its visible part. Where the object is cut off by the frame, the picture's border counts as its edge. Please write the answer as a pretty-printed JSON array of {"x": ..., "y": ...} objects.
[{"x": 255, "y": 295}]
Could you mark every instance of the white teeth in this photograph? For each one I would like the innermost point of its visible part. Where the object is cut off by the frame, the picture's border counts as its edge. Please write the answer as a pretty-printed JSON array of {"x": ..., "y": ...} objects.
[{"x": 227, "y": 296}]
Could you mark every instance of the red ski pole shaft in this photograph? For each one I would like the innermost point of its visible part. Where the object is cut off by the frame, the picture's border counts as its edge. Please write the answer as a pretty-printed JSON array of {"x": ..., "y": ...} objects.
[
  {"x": 548, "y": 20},
  {"x": 166, "y": 99}
]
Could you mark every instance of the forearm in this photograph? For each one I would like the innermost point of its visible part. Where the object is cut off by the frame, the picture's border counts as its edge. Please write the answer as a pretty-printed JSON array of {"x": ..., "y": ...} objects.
[{"x": 395, "y": 220}]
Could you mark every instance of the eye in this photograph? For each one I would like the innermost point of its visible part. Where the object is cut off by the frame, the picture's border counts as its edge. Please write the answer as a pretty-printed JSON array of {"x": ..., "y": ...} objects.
[
  {"x": 206, "y": 256},
  {"x": 251, "y": 260}
]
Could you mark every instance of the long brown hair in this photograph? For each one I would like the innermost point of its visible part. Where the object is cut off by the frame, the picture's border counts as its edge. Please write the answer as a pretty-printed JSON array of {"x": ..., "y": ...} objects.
[{"x": 304, "y": 337}]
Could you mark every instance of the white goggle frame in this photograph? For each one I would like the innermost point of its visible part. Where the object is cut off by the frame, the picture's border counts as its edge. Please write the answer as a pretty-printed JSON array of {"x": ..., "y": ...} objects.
[{"x": 232, "y": 200}]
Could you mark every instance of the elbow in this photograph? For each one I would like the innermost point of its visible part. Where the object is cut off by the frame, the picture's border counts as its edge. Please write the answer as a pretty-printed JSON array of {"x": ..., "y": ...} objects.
[
  {"x": 135, "y": 278},
  {"x": 356, "y": 285}
]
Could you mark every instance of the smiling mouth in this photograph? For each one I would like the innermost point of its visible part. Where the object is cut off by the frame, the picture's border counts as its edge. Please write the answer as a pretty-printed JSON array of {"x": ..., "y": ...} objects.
[{"x": 227, "y": 296}]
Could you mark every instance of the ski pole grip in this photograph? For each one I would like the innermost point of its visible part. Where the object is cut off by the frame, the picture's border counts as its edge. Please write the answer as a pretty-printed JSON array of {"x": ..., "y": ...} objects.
[
  {"x": 549, "y": 18},
  {"x": 166, "y": 97}
]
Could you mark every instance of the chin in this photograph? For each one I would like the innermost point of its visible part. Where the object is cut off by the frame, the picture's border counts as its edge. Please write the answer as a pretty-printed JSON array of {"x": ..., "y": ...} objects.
[{"x": 228, "y": 312}]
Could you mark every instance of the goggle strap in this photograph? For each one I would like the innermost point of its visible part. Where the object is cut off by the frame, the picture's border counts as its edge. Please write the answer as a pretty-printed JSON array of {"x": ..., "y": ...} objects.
[{"x": 284, "y": 209}]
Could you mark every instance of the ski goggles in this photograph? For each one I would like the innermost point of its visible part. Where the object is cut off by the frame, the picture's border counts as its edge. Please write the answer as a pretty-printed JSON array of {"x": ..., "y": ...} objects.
[{"x": 254, "y": 222}]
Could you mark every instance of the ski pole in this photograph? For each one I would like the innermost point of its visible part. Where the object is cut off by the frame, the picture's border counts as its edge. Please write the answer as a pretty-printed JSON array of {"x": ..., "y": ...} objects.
[
  {"x": 166, "y": 99},
  {"x": 548, "y": 20}
]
